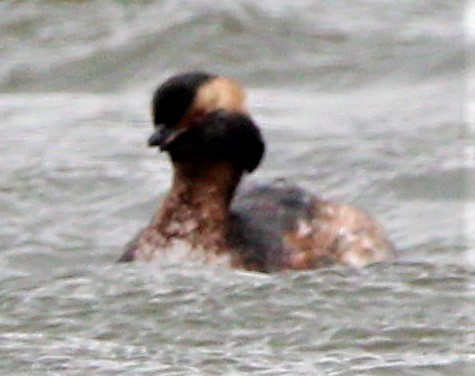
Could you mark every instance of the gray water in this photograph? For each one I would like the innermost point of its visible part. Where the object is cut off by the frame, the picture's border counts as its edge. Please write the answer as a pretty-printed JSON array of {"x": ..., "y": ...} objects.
[{"x": 361, "y": 101}]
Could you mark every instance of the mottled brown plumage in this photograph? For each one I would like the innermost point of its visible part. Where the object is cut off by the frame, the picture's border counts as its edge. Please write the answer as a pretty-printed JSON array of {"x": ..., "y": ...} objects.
[{"x": 202, "y": 123}]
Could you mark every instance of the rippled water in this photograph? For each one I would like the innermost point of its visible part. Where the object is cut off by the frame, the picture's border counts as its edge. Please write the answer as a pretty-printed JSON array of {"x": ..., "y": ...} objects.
[{"x": 361, "y": 101}]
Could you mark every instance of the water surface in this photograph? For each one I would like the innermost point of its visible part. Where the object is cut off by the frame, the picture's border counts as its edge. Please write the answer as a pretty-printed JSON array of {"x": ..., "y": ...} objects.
[{"x": 360, "y": 101}]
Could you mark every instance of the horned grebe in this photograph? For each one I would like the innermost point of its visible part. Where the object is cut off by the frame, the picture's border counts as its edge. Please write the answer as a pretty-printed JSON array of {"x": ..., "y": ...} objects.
[{"x": 202, "y": 122}]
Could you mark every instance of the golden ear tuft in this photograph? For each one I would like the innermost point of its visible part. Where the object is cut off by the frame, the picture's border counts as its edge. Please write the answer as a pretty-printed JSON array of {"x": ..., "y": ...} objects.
[{"x": 220, "y": 94}]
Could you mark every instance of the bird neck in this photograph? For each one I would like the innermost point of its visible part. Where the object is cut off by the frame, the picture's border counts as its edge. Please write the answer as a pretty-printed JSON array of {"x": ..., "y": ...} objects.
[{"x": 196, "y": 208}]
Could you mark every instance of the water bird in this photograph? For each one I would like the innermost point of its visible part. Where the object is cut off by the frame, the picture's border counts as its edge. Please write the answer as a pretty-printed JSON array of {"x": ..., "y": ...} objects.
[{"x": 201, "y": 121}]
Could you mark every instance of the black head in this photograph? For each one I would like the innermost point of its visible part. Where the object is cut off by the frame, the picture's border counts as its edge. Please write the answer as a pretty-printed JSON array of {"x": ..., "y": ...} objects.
[
  {"x": 175, "y": 97},
  {"x": 201, "y": 117}
]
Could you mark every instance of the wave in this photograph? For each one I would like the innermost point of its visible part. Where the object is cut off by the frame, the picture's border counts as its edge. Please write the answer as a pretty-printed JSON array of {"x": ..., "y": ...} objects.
[{"x": 107, "y": 46}]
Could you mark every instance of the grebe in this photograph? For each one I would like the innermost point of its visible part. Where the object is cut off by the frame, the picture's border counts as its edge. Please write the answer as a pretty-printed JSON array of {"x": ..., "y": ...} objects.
[{"x": 202, "y": 123}]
